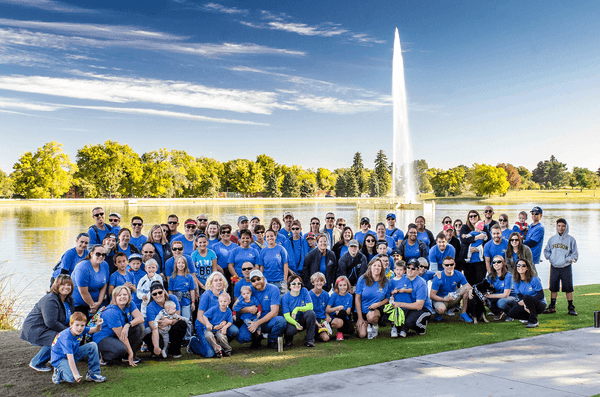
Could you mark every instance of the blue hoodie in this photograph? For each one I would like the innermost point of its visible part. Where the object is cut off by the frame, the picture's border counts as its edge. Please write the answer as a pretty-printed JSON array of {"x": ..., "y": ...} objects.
[{"x": 561, "y": 251}]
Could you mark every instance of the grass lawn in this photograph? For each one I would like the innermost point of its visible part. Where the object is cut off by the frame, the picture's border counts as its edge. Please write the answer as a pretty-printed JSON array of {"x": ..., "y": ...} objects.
[{"x": 193, "y": 375}]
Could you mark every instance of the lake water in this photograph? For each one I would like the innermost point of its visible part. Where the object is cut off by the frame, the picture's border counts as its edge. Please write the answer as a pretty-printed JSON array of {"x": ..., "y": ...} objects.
[{"x": 34, "y": 238}]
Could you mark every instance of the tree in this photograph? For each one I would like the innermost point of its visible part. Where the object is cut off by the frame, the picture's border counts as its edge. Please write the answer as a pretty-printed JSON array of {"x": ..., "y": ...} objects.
[
  {"x": 351, "y": 185},
  {"x": 450, "y": 182},
  {"x": 166, "y": 172},
  {"x": 272, "y": 189},
  {"x": 244, "y": 176},
  {"x": 422, "y": 176},
  {"x": 513, "y": 177},
  {"x": 584, "y": 178},
  {"x": 374, "y": 185},
  {"x": 268, "y": 166},
  {"x": 550, "y": 173},
  {"x": 340, "y": 184},
  {"x": 361, "y": 175},
  {"x": 208, "y": 182},
  {"x": 6, "y": 185},
  {"x": 308, "y": 188},
  {"x": 290, "y": 186},
  {"x": 325, "y": 179},
  {"x": 489, "y": 180},
  {"x": 46, "y": 174},
  {"x": 382, "y": 173}
]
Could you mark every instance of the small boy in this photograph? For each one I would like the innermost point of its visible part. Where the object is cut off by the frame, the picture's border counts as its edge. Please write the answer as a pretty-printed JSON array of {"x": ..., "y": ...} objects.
[
  {"x": 218, "y": 320},
  {"x": 247, "y": 300},
  {"x": 143, "y": 286},
  {"x": 169, "y": 311},
  {"x": 401, "y": 290},
  {"x": 473, "y": 257},
  {"x": 66, "y": 352},
  {"x": 521, "y": 225}
]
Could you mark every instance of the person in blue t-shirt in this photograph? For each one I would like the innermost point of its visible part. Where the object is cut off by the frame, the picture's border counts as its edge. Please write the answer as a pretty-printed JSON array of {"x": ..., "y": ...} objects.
[
  {"x": 503, "y": 222},
  {"x": 365, "y": 225},
  {"x": 502, "y": 281},
  {"x": 535, "y": 235},
  {"x": 247, "y": 267},
  {"x": 205, "y": 261},
  {"x": 124, "y": 245},
  {"x": 90, "y": 277},
  {"x": 66, "y": 352},
  {"x": 530, "y": 294},
  {"x": 137, "y": 238},
  {"x": 423, "y": 233},
  {"x": 217, "y": 321},
  {"x": 274, "y": 262},
  {"x": 495, "y": 247},
  {"x": 296, "y": 251},
  {"x": 297, "y": 308},
  {"x": 121, "y": 276},
  {"x": 223, "y": 248},
  {"x": 425, "y": 273},
  {"x": 380, "y": 232},
  {"x": 259, "y": 238},
  {"x": 183, "y": 286},
  {"x": 371, "y": 295},
  {"x": 339, "y": 307},
  {"x": 173, "y": 223},
  {"x": 392, "y": 230},
  {"x": 320, "y": 299},
  {"x": 412, "y": 247},
  {"x": 73, "y": 256},
  {"x": 99, "y": 229},
  {"x": 177, "y": 249},
  {"x": 441, "y": 250},
  {"x": 188, "y": 237},
  {"x": 448, "y": 289},
  {"x": 242, "y": 253}
]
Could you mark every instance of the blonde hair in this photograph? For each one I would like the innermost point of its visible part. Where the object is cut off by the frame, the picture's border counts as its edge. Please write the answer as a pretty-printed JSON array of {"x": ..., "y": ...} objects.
[
  {"x": 317, "y": 275},
  {"x": 210, "y": 279},
  {"x": 116, "y": 292},
  {"x": 186, "y": 270}
]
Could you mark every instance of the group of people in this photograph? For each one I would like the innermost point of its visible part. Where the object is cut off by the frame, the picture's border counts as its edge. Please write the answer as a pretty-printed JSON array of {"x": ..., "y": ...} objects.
[{"x": 126, "y": 292}]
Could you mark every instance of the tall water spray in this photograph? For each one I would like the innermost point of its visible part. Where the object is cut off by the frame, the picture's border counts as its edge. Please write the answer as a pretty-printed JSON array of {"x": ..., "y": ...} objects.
[{"x": 403, "y": 179}]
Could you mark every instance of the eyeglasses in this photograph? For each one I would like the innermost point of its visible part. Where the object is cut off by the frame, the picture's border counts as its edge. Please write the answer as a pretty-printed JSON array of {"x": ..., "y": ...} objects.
[
  {"x": 448, "y": 264},
  {"x": 136, "y": 224},
  {"x": 315, "y": 223},
  {"x": 496, "y": 262},
  {"x": 190, "y": 226},
  {"x": 177, "y": 249},
  {"x": 295, "y": 284},
  {"x": 411, "y": 268},
  {"x": 157, "y": 293},
  {"x": 114, "y": 220},
  {"x": 519, "y": 265},
  {"x": 341, "y": 224},
  {"x": 369, "y": 241},
  {"x": 259, "y": 233},
  {"x": 295, "y": 228},
  {"x": 99, "y": 255},
  {"x": 247, "y": 269},
  {"x": 502, "y": 220},
  {"x": 202, "y": 220},
  {"x": 423, "y": 267},
  {"x": 512, "y": 240},
  {"x": 172, "y": 222},
  {"x": 98, "y": 214},
  {"x": 488, "y": 211},
  {"x": 458, "y": 225},
  {"x": 473, "y": 216},
  {"x": 330, "y": 217}
]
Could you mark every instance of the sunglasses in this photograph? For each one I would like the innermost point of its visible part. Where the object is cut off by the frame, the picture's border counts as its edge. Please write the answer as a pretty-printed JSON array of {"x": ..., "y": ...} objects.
[
  {"x": 315, "y": 223},
  {"x": 254, "y": 280},
  {"x": 448, "y": 264},
  {"x": 177, "y": 249},
  {"x": 330, "y": 217},
  {"x": 157, "y": 293},
  {"x": 202, "y": 220},
  {"x": 224, "y": 232},
  {"x": 521, "y": 265},
  {"x": 502, "y": 220},
  {"x": 295, "y": 228},
  {"x": 448, "y": 223},
  {"x": 98, "y": 214},
  {"x": 190, "y": 226},
  {"x": 136, "y": 224},
  {"x": 114, "y": 220},
  {"x": 172, "y": 222},
  {"x": 424, "y": 267},
  {"x": 535, "y": 213},
  {"x": 512, "y": 240},
  {"x": 369, "y": 241},
  {"x": 458, "y": 225},
  {"x": 496, "y": 262},
  {"x": 99, "y": 255},
  {"x": 259, "y": 233},
  {"x": 411, "y": 268},
  {"x": 147, "y": 252},
  {"x": 295, "y": 284},
  {"x": 488, "y": 211},
  {"x": 247, "y": 269},
  {"x": 473, "y": 216}
]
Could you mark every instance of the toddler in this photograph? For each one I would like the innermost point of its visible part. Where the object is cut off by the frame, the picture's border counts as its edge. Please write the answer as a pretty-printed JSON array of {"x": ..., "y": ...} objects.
[
  {"x": 143, "y": 287},
  {"x": 401, "y": 290},
  {"x": 169, "y": 312},
  {"x": 473, "y": 257},
  {"x": 521, "y": 225},
  {"x": 247, "y": 300},
  {"x": 218, "y": 320}
]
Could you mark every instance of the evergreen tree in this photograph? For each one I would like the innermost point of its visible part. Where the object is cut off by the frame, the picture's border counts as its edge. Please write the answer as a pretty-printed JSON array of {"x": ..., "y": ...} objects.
[
  {"x": 272, "y": 188},
  {"x": 340, "y": 185},
  {"x": 360, "y": 173},
  {"x": 290, "y": 186},
  {"x": 550, "y": 173},
  {"x": 308, "y": 188},
  {"x": 374, "y": 186},
  {"x": 382, "y": 173},
  {"x": 351, "y": 185}
]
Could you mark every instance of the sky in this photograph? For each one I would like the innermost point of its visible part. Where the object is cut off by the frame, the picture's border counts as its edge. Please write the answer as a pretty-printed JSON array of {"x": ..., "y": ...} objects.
[{"x": 307, "y": 83}]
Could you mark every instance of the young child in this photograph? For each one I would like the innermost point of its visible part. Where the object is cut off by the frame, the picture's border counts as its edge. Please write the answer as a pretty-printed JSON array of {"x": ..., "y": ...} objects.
[
  {"x": 143, "y": 286},
  {"x": 183, "y": 286},
  {"x": 121, "y": 276},
  {"x": 216, "y": 331},
  {"x": 135, "y": 269},
  {"x": 247, "y": 300},
  {"x": 66, "y": 352},
  {"x": 385, "y": 259},
  {"x": 401, "y": 290},
  {"x": 169, "y": 311},
  {"x": 339, "y": 307},
  {"x": 473, "y": 257},
  {"x": 320, "y": 300},
  {"x": 521, "y": 225}
]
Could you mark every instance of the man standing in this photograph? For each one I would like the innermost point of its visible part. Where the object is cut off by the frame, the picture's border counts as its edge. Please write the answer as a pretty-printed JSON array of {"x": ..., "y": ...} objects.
[
  {"x": 188, "y": 238},
  {"x": 99, "y": 229},
  {"x": 440, "y": 251},
  {"x": 561, "y": 251},
  {"x": 115, "y": 220},
  {"x": 137, "y": 238},
  {"x": 243, "y": 224},
  {"x": 352, "y": 264},
  {"x": 448, "y": 289},
  {"x": 535, "y": 235},
  {"x": 488, "y": 213},
  {"x": 332, "y": 233},
  {"x": 497, "y": 246},
  {"x": 202, "y": 223},
  {"x": 288, "y": 219},
  {"x": 173, "y": 222},
  {"x": 392, "y": 230}
]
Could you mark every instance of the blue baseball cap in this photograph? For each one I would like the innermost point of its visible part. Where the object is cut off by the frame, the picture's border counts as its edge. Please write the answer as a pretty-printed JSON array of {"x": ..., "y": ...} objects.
[
  {"x": 537, "y": 209},
  {"x": 388, "y": 216}
]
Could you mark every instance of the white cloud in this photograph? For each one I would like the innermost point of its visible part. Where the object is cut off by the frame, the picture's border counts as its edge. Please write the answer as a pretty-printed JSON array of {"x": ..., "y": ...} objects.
[
  {"x": 10, "y": 103},
  {"x": 305, "y": 30},
  {"x": 164, "y": 92},
  {"x": 335, "y": 105},
  {"x": 47, "y": 5},
  {"x": 227, "y": 10}
]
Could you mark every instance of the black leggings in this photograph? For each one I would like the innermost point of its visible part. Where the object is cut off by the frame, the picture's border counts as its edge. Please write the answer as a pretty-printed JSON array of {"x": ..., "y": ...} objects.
[
  {"x": 415, "y": 320},
  {"x": 534, "y": 306},
  {"x": 347, "y": 328}
]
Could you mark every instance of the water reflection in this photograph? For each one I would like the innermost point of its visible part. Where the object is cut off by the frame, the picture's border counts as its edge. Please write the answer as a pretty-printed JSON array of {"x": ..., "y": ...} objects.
[{"x": 34, "y": 238}]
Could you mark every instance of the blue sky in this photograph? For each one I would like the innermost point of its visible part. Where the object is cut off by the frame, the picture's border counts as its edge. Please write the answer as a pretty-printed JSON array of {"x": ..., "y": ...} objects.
[{"x": 307, "y": 83}]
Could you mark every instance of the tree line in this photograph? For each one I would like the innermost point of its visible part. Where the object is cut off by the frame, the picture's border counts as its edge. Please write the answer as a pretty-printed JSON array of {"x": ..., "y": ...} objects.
[{"x": 111, "y": 169}]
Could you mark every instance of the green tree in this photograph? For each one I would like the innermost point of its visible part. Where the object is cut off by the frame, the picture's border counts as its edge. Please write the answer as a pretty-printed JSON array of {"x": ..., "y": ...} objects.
[
  {"x": 584, "y": 178},
  {"x": 382, "y": 173},
  {"x": 361, "y": 175},
  {"x": 351, "y": 185},
  {"x": 272, "y": 188},
  {"x": 208, "y": 182},
  {"x": 340, "y": 184},
  {"x": 374, "y": 185},
  {"x": 165, "y": 172},
  {"x": 291, "y": 185},
  {"x": 423, "y": 178},
  {"x": 308, "y": 188},
  {"x": 244, "y": 176},
  {"x": 6, "y": 185},
  {"x": 268, "y": 166},
  {"x": 550, "y": 173},
  {"x": 450, "y": 182},
  {"x": 513, "y": 177},
  {"x": 489, "y": 180},
  {"x": 46, "y": 174}
]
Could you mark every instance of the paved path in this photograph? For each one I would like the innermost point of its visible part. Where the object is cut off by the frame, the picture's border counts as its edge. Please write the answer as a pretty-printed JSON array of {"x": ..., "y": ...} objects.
[{"x": 558, "y": 364}]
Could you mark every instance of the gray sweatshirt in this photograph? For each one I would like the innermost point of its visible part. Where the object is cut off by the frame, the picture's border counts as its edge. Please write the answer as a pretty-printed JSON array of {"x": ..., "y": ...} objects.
[{"x": 561, "y": 251}]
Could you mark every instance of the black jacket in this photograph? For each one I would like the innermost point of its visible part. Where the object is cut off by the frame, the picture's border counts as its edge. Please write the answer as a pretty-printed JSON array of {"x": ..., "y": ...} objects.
[
  {"x": 352, "y": 267},
  {"x": 312, "y": 263}
]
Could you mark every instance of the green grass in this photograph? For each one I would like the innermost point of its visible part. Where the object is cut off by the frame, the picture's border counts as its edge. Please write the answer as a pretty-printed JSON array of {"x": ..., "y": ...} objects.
[{"x": 193, "y": 375}]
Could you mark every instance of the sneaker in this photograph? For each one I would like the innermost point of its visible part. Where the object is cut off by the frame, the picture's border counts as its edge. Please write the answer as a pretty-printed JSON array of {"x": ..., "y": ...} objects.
[
  {"x": 144, "y": 348},
  {"x": 498, "y": 317},
  {"x": 550, "y": 310},
  {"x": 176, "y": 356},
  {"x": 164, "y": 352},
  {"x": 422, "y": 332},
  {"x": 136, "y": 360},
  {"x": 227, "y": 354},
  {"x": 273, "y": 345},
  {"x": 394, "y": 332},
  {"x": 328, "y": 327},
  {"x": 465, "y": 317},
  {"x": 450, "y": 311},
  {"x": 509, "y": 319},
  {"x": 523, "y": 321},
  {"x": 102, "y": 362},
  {"x": 572, "y": 312},
  {"x": 403, "y": 334},
  {"x": 219, "y": 354},
  {"x": 339, "y": 336},
  {"x": 532, "y": 325},
  {"x": 375, "y": 331},
  {"x": 41, "y": 368},
  {"x": 57, "y": 376},
  {"x": 310, "y": 343},
  {"x": 95, "y": 378},
  {"x": 288, "y": 342},
  {"x": 438, "y": 317},
  {"x": 369, "y": 331},
  {"x": 187, "y": 349}
]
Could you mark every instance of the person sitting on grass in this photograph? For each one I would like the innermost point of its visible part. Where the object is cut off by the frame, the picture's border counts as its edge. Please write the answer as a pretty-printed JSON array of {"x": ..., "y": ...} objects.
[
  {"x": 168, "y": 312},
  {"x": 339, "y": 307},
  {"x": 66, "y": 352},
  {"x": 217, "y": 320},
  {"x": 530, "y": 293},
  {"x": 502, "y": 281},
  {"x": 372, "y": 294},
  {"x": 298, "y": 312},
  {"x": 448, "y": 289},
  {"x": 320, "y": 299}
]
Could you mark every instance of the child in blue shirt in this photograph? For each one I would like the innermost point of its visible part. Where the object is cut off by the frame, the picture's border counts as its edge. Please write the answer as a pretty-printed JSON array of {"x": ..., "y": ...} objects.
[
  {"x": 216, "y": 331},
  {"x": 473, "y": 257},
  {"x": 339, "y": 307},
  {"x": 247, "y": 300},
  {"x": 66, "y": 352},
  {"x": 401, "y": 289}
]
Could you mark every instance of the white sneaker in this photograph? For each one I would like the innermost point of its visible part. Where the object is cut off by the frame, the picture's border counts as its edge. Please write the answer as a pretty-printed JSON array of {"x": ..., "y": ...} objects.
[
  {"x": 403, "y": 334},
  {"x": 394, "y": 332},
  {"x": 450, "y": 312},
  {"x": 164, "y": 352},
  {"x": 329, "y": 330},
  {"x": 375, "y": 331},
  {"x": 369, "y": 331}
]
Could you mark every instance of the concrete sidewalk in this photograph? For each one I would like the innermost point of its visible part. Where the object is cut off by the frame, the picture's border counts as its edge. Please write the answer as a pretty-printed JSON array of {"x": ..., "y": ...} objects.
[{"x": 558, "y": 364}]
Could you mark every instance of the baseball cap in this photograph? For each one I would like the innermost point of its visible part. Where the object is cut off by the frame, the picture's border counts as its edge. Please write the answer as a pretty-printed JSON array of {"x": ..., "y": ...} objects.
[
  {"x": 352, "y": 243},
  {"x": 448, "y": 227},
  {"x": 288, "y": 213},
  {"x": 242, "y": 219},
  {"x": 190, "y": 222},
  {"x": 255, "y": 217},
  {"x": 310, "y": 235},
  {"x": 115, "y": 214},
  {"x": 413, "y": 262},
  {"x": 256, "y": 273},
  {"x": 365, "y": 220},
  {"x": 134, "y": 257},
  {"x": 393, "y": 216},
  {"x": 537, "y": 209}
]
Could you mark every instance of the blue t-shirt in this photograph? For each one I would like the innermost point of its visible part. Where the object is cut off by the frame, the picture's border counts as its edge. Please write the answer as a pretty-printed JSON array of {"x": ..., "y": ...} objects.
[
  {"x": 160, "y": 251},
  {"x": 506, "y": 234},
  {"x": 138, "y": 241},
  {"x": 212, "y": 242},
  {"x": 65, "y": 343},
  {"x": 207, "y": 300},
  {"x": 448, "y": 284},
  {"x": 529, "y": 288},
  {"x": 182, "y": 284},
  {"x": 117, "y": 279},
  {"x": 401, "y": 283},
  {"x": 360, "y": 236},
  {"x": 174, "y": 236},
  {"x": 96, "y": 238},
  {"x": 396, "y": 234},
  {"x": 323, "y": 264},
  {"x": 237, "y": 290},
  {"x": 154, "y": 308},
  {"x": 428, "y": 275},
  {"x": 126, "y": 251},
  {"x": 215, "y": 315},
  {"x": 68, "y": 313},
  {"x": 222, "y": 251},
  {"x": 290, "y": 302},
  {"x": 296, "y": 255},
  {"x": 475, "y": 257},
  {"x": 286, "y": 234},
  {"x": 273, "y": 260},
  {"x": 203, "y": 264},
  {"x": 336, "y": 300},
  {"x": 84, "y": 275},
  {"x": 188, "y": 246},
  {"x": 319, "y": 303},
  {"x": 137, "y": 276},
  {"x": 68, "y": 261},
  {"x": 241, "y": 304},
  {"x": 491, "y": 249},
  {"x": 170, "y": 265},
  {"x": 436, "y": 257},
  {"x": 424, "y": 237},
  {"x": 390, "y": 242},
  {"x": 501, "y": 285},
  {"x": 372, "y": 294},
  {"x": 421, "y": 292},
  {"x": 535, "y": 234},
  {"x": 267, "y": 297},
  {"x": 113, "y": 317},
  {"x": 239, "y": 255},
  {"x": 343, "y": 250},
  {"x": 411, "y": 251}
]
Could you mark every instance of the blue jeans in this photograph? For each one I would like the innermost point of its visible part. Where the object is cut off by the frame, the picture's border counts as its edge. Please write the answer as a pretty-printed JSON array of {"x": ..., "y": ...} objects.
[
  {"x": 91, "y": 351},
  {"x": 275, "y": 327},
  {"x": 42, "y": 358},
  {"x": 186, "y": 311},
  {"x": 500, "y": 305},
  {"x": 199, "y": 344}
]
